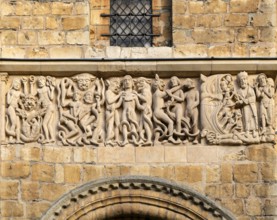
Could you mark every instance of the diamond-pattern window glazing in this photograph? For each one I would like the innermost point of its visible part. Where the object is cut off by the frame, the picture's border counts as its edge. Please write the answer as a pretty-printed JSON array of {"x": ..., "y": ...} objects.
[{"x": 131, "y": 23}]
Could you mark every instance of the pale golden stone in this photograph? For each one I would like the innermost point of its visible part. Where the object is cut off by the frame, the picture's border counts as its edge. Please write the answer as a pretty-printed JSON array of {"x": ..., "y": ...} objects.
[
  {"x": 196, "y": 7},
  {"x": 27, "y": 38},
  {"x": 149, "y": 154},
  {"x": 96, "y": 19},
  {"x": 41, "y": 8},
  {"x": 216, "y": 6},
  {"x": 179, "y": 7},
  {"x": 263, "y": 50},
  {"x": 191, "y": 50},
  {"x": 92, "y": 172},
  {"x": 59, "y": 173},
  {"x": 72, "y": 173},
  {"x": 245, "y": 6},
  {"x": 236, "y": 20},
  {"x": 8, "y": 190},
  {"x": 234, "y": 205},
  {"x": 190, "y": 174},
  {"x": 262, "y": 153},
  {"x": 263, "y": 20},
  {"x": 242, "y": 190},
  {"x": 30, "y": 190},
  {"x": 7, "y": 8},
  {"x": 62, "y": 8},
  {"x": 15, "y": 169},
  {"x": 66, "y": 52},
  {"x": 36, "y": 209},
  {"x": 220, "y": 51},
  {"x": 32, "y": 23},
  {"x": 8, "y": 152},
  {"x": 269, "y": 171},
  {"x": 245, "y": 173},
  {"x": 247, "y": 35},
  {"x": 37, "y": 52},
  {"x": 81, "y": 8},
  {"x": 253, "y": 206},
  {"x": 57, "y": 154},
  {"x": 77, "y": 37},
  {"x": 267, "y": 34},
  {"x": 23, "y": 8},
  {"x": 13, "y": 52},
  {"x": 213, "y": 174},
  {"x": 240, "y": 50},
  {"x": 11, "y": 209},
  {"x": 209, "y": 21},
  {"x": 43, "y": 172},
  {"x": 52, "y": 23},
  {"x": 262, "y": 190},
  {"x": 10, "y": 22},
  {"x": 226, "y": 190},
  {"x": 182, "y": 37},
  {"x": 184, "y": 21},
  {"x": 175, "y": 154},
  {"x": 51, "y": 37},
  {"x": 111, "y": 170},
  {"x": 74, "y": 23},
  {"x": 85, "y": 155},
  {"x": 9, "y": 37},
  {"x": 51, "y": 192}
]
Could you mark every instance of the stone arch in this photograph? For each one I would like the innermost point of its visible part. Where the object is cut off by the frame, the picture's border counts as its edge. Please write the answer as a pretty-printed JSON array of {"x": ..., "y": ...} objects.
[{"x": 135, "y": 197}]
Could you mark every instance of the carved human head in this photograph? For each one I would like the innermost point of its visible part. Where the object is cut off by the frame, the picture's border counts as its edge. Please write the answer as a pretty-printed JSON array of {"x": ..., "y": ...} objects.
[
  {"x": 189, "y": 84},
  {"x": 29, "y": 102},
  {"x": 16, "y": 84},
  {"x": 41, "y": 81},
  {"x": 174, "y": 81},
  {"x": 270, "y": 82},
  {"x": 76, "y": 96},
  {"x": 158, "y": 83},
  {"x": 261, "y": 79},
  {"x": 88, "y": 97},
  {"x": 128, "y": 82},
  {"x": 242, "y": 78},
  {"x": 114, "y": 85},
  {"x": 142, "y": 83},
  {"x": 84, "y": 81}
]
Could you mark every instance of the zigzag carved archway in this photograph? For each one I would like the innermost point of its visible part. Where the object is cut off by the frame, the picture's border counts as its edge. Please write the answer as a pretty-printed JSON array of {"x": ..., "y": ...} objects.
[{"x": 137, "y": 198}]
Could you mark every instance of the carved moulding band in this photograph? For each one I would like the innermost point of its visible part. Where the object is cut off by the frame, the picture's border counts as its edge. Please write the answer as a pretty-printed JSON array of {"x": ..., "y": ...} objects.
[{"x": 130, "y": 195}]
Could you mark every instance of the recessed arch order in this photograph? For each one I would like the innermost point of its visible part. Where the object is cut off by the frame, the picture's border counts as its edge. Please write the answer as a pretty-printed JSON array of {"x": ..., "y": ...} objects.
[{"x": 135, "y": 197}]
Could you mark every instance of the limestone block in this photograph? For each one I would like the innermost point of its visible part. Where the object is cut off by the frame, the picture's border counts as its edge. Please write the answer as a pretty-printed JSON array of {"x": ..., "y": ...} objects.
[
  {"x": 85, "y": 155},
  {"x": 245, "y": 173},
  {"x": 41, "y": 8},
  {"x": 246, "y": 6},
  {"x": 8, "y": 152},
  {"x": 184, "y": 21},
  {"x": 226, "y": 190},
  {"x": 96, "y": 19},
  {"x": 216, "y": 6},
  {"x": 166, "y": 172},
  {"x": 175, "y": 154},
  {"x": 240, "y": 50},
  {"x": 116, "y": 155},
  {"x": 10, "y": 22},
  {"x": 222, "y": 35},
  {"x": 9, "y": 190},
  {"x": 59, "y": 173},
  {"x": 159, "y": 52},
  {"x": 66, "y": 52},
  {"x": 15, "y": 169},
  {"x": 149, "y": 154},
  {"x": 201, "y": 35},
  {"x": 253, "y": 206},
  {"x": 260, "y": 50},
  {"x": 9, "y": 37},
  {"x": 52, "y": 23},
  {"x": 212, "y": 174},
  {"x": 7, "y": 8},
  {"x": 23, "y": 8},
  {"x": 269, "y": 171},
  {"x": 81, "y": 8},
  {"x": 247, "y": 35},
  {"x": 111, "y": 170},
  {"x": 32, "y": 23},
  {"x": 30, "y": 153},
  {"x": 262, "y": 153},
  {"x": 182, "y": 37},
  {"x": 36, "y": 209},
  {"x": 51, "y": 192},
  {"x": 62, "y": 8},
  {"x": 267, "y": 34},
  {"x": 220, "y": 51},
  {"x": 179, "y": 7},
  {"x": 92, "y": 172},
  {"x": 37, "y": 52},
  {"x": 196, "y": 7},
  {"x": 202, "y": 154},
  {"x": 27, "y": 38},
  {"x": 30, "y": 190},
  {"x": 236, "y": 20},
  {"x": 234, "y": 205},
  {"x": 191, "y": 50},
  {"x": 209, "y": 21},
  {"x": 189, "y": 174},
  {"x": 74, "y": 23},
  {"x": 13, "y": 52},
  {"x": 242, "y": 190},
  {"x": 57, "y": 154},
  {"x": 262, "y": 190},
  {"x": 51, "y": 37},
  {"x": 263, "y": 20},
  {"x": 72, "y": 173},
  {"x": 43, "y": 172},
  {"x": 11, "y": 209},
  {"x": 226, "y": 173},
  {"x": 77, "y": 37}
]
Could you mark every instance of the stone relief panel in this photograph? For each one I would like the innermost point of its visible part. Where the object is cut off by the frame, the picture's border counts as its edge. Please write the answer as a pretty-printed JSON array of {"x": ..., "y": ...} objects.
[{"x": 87, "y": 110}]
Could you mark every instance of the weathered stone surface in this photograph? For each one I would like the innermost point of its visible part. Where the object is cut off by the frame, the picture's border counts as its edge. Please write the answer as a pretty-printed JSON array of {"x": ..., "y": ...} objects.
[
  {"x": 27, "y": 38},
  {"x": 269, "y": 171},
  {"x": 30, "y": 153},
  {"x": 149, "y": 155},
  {"x": 62, "y": 8},
  {"x": 244, "y": 6},
  {"x": 9, "y": 23},
  {"x": 242, "y": 190},
  {"x": 11, "y": 209},
  {"x": 66, "y": 52},
  {"x": 234, "y": 205},
  {"x": 77, "y": 37},
  {"x": 253, "y": 207},
  {"x": 51, "y": 37},
  {"x": 74, "y": 23},
  {"x": 245, "y": 173},
  {"x": 43, "y": 172},
  {"x": 32, "y": 23},
  {"x": 35, "y": 210},
  {"x": 92, "y": 172},
  {"x": 175, "y": 154},
  {"x": 236, "y": 20},
  {"x": 190, "y": 174},
  {"x": 57, "y": 154},
  {"x": 226, "y": 173},
  {"x": 30, "y": 190},
  {"x": 72, "y": 173},
  {"x": 15, "y": 169},
  {"x": 8, "y": 152},
  {"x": 9, "y": 190},
  {"x": 51, "y": 191}
]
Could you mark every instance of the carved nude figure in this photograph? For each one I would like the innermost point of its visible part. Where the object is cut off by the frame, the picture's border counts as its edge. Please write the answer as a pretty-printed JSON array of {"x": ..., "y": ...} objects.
[
  {"x": 46, "y": 95},
  {"x": 145, "y": 96},
  {"x": 164, "y": 124},
  {"x": 130, "y": 102},
  {"x": 191, "y": 98},
  {"x": 113, "y": 102},
  {"x": 13, "y": 97},
  {"x": 247, "y": 103}
]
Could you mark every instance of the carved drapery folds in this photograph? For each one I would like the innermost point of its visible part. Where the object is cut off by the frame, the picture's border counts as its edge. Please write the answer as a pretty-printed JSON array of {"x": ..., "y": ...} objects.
[{"x": 86, "y": 110}]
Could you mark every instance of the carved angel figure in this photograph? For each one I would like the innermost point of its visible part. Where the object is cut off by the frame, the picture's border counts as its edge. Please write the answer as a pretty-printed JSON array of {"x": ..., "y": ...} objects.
[{"x": 81, "y": 101}]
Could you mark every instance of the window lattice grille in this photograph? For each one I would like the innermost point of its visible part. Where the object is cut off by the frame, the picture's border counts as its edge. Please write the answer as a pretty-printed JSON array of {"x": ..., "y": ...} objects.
[{"x": 131, "y": 23}]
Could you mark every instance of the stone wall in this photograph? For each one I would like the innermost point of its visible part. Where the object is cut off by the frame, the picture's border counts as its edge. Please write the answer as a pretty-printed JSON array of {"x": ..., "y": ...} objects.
[{"x": 73, "y": 29}]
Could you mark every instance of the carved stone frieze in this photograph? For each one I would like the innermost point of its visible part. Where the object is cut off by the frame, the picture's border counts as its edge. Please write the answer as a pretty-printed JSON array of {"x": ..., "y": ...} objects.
[{"x": 87, "y": 110}]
